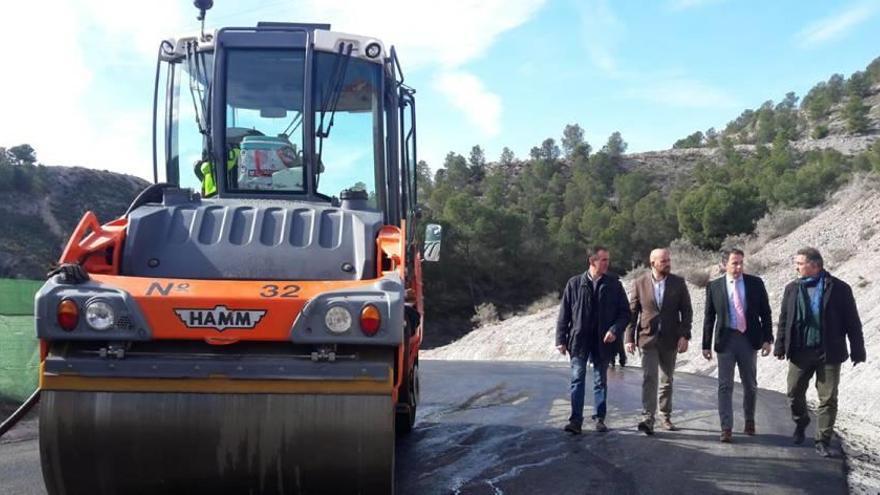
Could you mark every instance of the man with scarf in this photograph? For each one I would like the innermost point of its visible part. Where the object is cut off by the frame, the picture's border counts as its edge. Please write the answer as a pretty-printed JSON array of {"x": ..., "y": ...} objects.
[
  {"x": 592, "y": 317},
  {"x": 817, "y": 317}
]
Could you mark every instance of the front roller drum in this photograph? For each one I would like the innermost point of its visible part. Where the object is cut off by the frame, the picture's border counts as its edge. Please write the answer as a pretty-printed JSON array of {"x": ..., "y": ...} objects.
[{"x": 146, "y": 442}]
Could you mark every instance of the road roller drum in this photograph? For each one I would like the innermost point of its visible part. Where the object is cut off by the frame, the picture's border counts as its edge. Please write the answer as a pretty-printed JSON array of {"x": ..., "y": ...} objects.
[{"x": 126, "y": 443}]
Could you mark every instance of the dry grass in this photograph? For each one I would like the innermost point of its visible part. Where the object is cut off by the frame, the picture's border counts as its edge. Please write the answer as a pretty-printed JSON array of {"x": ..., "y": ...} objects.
[
  {"x": 696, "y": 265},
  {"x": 696, "y": 276},
  {"x": 757, "y": 265},
  {"x": 550, "y": 300},
  {"x": 835, "y": 257},
  {"x": 779, "y": 223},
  {"x": 635, "y": 273},
  {"x": 773, "y": 225},
  {"x": 864, "y": 184},
  {"x": 485, "y": 314}
]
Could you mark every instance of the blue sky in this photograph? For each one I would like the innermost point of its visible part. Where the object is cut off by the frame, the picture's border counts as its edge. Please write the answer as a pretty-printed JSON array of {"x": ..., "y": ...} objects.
[{"x": 490, "y": 72}]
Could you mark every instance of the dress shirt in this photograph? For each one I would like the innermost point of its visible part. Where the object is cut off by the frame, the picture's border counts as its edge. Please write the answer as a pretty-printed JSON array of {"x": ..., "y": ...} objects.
[
  {"x": 740, "y": 286},
  {"x": 659, "y": 289}
]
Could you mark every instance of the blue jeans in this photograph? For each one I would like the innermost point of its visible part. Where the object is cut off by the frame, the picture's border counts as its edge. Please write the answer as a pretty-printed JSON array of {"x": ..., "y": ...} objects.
[{"x": 578, "y": 389}]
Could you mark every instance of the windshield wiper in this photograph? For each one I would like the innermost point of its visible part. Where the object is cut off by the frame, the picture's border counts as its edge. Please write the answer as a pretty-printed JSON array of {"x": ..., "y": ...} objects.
[
  {"x": 331, "y": 100},
  {"x": 197, "y": 72},
  {"x": 293, "y": 126}
]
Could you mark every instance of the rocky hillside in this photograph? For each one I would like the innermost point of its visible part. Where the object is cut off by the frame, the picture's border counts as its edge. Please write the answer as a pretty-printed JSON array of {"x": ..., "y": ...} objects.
[
  {"x": 846, "y": 230},
  {"x": 674, "y": 167},
  {"x": 40, "y": 206},
  {"x": 824, "y": 120}
]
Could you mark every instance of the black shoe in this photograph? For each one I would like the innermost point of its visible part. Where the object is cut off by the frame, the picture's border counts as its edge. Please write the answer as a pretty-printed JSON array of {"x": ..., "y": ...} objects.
[
  {"x": 646, "y": 428},
  {"x": 822, "y": 449},
  {"x": 798, "y": 436},
  {"x": 600, "y": 426},
  {"x": 573, "y": 428}
]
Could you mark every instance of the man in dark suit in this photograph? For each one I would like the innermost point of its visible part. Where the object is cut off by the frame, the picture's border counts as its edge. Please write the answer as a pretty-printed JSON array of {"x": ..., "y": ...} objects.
[
  {"x": 592, "y": 318},
  {"x": 738, "y": 308},
  {"x": 660, "y": 309},
  {"x": 817, "y": 317}
]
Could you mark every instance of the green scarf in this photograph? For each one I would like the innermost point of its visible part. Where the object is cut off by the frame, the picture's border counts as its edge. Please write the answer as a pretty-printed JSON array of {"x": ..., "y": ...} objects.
[{"x": 809, "y": 324}]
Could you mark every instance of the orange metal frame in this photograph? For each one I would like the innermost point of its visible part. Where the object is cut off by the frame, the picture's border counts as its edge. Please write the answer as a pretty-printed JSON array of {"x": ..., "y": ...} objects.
[{"x": 98, "y": 248}]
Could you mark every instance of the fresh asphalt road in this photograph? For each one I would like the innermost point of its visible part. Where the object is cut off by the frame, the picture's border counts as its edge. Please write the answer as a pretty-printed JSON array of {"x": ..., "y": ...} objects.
[{"x": 496, "y": 428}]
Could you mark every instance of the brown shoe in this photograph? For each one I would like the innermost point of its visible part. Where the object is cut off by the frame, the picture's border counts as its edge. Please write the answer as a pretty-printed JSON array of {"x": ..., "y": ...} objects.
[
  {"x": 667, "y": 425},
  {"x": 750, "y": 428},
  {"x": 726, "y": 436}
]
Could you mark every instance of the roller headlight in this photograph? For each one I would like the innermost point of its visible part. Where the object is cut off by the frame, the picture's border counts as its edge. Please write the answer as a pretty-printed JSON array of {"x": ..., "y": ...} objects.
[
  {"x": 99, "y": 315},
  {"x": 338, "y": 319},
  {"x": 373, "y": 50}
]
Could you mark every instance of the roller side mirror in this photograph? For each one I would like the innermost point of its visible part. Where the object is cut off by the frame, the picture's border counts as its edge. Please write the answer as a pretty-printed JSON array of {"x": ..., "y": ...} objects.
[{"x": 433, "y": 234}]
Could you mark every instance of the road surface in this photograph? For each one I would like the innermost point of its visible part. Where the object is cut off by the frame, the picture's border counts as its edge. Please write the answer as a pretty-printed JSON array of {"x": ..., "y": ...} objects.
[{"x": 496, "y": 428}]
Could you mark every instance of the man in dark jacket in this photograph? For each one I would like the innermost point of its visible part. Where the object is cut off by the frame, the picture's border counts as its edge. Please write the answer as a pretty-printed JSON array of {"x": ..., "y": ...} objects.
[
  {"x": 660, "y": 324},
  {"x": 818, "y": 315},
  {"x": 592, "y": 317},
  {"x": 738, "y": 307}
]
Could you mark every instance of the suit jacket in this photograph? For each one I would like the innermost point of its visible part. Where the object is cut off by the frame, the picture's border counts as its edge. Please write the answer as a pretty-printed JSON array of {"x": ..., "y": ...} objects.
[
  {"x": 759, "y": 323},
  {"x": 659, "y": 324},
  {"x": 840, "y": 320}
]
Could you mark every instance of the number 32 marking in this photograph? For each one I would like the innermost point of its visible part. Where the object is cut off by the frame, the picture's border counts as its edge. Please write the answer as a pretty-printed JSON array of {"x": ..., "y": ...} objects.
[{"x": 272, "y": 290}]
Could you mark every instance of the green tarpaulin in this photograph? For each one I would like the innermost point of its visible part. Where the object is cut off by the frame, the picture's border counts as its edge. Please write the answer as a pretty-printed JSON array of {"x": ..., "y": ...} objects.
[{"x": 19, "y": 354}]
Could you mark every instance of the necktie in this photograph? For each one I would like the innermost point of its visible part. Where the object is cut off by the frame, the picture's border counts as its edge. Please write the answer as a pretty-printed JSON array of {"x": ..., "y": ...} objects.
[{"x": 740, "y": 312}]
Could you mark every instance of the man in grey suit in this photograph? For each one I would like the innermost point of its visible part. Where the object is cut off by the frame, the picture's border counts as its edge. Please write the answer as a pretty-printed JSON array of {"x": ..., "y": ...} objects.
[{"x": 738, "y": 308}]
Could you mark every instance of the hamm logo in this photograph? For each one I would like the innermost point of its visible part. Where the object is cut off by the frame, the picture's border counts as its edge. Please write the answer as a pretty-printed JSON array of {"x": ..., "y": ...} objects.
[{"x": 220, "y": 318}]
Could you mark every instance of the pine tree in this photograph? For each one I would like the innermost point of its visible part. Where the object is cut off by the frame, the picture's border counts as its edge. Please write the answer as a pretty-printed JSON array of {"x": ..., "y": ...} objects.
[{"x": 856, "y": 114}]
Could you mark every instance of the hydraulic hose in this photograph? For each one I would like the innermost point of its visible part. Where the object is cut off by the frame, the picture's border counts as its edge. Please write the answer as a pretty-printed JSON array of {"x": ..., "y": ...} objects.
[{"x": 20, "y": 412}]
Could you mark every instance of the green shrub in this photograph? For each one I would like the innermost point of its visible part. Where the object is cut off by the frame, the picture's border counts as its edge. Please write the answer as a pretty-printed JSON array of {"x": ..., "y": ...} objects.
[{"x": 819, "y": 132}]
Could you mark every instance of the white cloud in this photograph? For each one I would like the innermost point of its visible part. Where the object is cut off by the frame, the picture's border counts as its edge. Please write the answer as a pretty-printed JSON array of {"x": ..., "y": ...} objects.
[
  {"x": 44, "y": 81},
  {"x": 58, "y": 100},
  {"x": 602, "y": 33},
  {"x": 837, "y": 25},
  {"x": 426, "y": 32},
  {"x": 683, "y": 93},
  {"x": 58, "y": 93},
  {"x": 690, "y": 4},
  {"x": 138, "y": 27},
  {"x": 440, "y": 36},
  {"x": 467, "y": 93}
]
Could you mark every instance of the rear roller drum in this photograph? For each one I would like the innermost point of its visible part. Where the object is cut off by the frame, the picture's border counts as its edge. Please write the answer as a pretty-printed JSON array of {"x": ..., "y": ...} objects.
[{"x": 139, "y": 442}]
